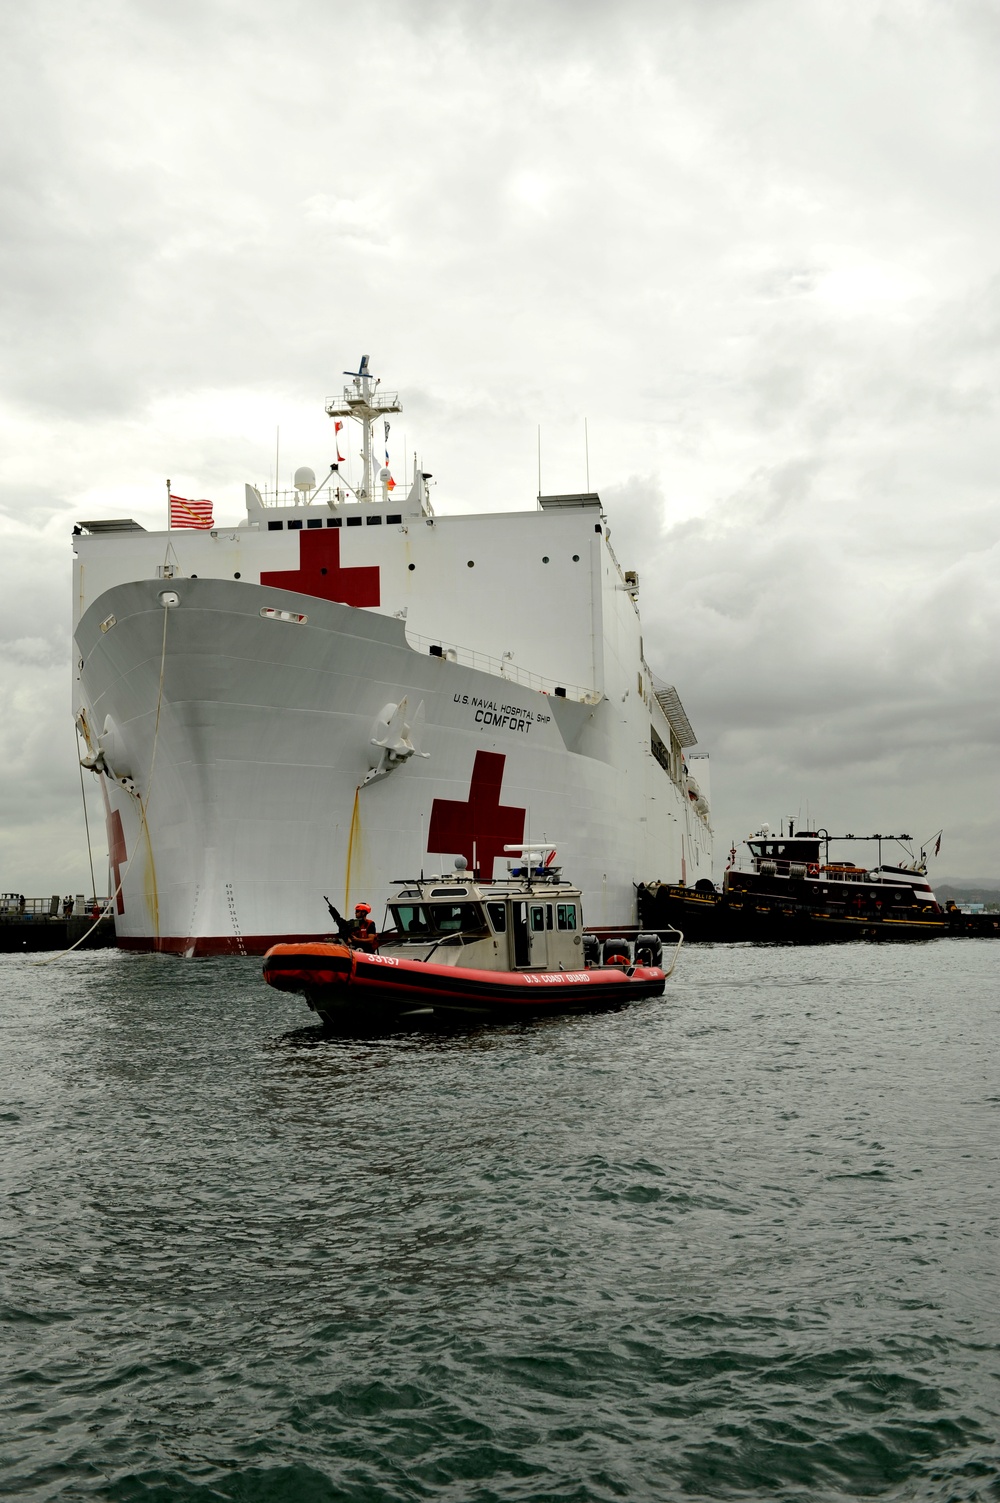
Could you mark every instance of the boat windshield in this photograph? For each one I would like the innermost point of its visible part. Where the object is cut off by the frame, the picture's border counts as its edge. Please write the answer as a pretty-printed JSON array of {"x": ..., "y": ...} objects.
[{"x": 431, "y": 920}]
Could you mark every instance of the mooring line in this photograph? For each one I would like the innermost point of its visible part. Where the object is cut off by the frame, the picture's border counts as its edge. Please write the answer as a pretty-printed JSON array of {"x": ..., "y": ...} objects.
[{"x": 61, "y": 954}]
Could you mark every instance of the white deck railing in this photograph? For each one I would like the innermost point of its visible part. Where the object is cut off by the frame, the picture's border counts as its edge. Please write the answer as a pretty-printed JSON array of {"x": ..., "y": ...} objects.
[{"x": 504, "y": 668}]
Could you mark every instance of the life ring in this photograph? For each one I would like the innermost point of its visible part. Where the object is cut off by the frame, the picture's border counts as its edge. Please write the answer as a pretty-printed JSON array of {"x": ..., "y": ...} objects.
[{"x": 812, "y": 869}]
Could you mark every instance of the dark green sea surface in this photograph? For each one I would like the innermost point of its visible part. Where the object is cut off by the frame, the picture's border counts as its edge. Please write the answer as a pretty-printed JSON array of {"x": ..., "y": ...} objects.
[{"x": 740, "y": 1242}]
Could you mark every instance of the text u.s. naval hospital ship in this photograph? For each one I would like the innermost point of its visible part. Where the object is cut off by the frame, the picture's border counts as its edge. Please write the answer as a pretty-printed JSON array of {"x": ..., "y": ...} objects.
[{"x": 344, "y": 688}]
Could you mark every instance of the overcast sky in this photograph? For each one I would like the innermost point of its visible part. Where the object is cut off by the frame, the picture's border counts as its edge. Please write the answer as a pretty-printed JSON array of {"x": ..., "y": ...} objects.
[{"x": 752, "y": 242}]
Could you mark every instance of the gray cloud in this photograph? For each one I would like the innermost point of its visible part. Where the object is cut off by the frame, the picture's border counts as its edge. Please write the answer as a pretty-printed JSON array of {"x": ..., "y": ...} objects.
[{"x": 752, "y": 242}]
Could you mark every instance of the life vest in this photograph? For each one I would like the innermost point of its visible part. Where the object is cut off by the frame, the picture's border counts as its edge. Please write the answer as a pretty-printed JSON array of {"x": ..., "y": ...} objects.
[{"x": 365, "y": 935}]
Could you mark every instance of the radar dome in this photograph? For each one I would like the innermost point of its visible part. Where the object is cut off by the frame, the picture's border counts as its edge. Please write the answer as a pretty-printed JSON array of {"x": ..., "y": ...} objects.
[{"x": 305, "y": 479}]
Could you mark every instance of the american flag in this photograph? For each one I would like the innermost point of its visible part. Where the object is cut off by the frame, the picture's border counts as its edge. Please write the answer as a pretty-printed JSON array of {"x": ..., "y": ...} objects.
[{"x": 190, "y": 513}]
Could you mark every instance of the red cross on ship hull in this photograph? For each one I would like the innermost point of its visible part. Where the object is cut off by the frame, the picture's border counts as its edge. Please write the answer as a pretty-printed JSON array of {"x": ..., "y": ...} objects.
[
  {"x": 117, "y": 854},
  {"x": 320, "y": 574},
  {"x": 480, "y": 828}
]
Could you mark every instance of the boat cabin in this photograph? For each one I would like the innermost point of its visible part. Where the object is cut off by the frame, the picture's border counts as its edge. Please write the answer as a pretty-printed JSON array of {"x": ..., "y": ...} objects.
[
  {"x": 781, "y": 856},
  {"x": 530, "y": 923}
]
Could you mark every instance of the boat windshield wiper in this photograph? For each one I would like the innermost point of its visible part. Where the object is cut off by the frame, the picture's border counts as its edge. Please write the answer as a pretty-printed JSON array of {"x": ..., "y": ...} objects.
[{"x": 459, "y": 934}]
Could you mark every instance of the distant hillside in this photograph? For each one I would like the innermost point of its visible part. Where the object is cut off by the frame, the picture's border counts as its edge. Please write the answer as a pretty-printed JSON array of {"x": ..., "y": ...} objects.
[{"x": 979, "y": 892}]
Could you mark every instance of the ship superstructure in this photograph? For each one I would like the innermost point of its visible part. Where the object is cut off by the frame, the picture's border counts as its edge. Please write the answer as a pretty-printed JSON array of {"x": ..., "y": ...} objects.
[{"x": 345, "y": 685}]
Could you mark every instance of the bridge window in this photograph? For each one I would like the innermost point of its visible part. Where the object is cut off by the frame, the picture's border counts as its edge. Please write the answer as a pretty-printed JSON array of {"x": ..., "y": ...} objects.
[
  {"x": 436, "y": 920},
  {"x": 659, "y": 749}
]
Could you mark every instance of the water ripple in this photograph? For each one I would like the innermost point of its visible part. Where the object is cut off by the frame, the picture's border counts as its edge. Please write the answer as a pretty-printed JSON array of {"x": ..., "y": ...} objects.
[{"x": 741, "y": 1242}]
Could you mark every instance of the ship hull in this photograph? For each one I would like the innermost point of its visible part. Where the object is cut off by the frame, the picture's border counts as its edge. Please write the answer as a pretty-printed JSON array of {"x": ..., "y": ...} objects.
[
  {"x": 236, "y": 791},
  {"x": 336, "y": 980},
  {"x": 804, "y": 913}
]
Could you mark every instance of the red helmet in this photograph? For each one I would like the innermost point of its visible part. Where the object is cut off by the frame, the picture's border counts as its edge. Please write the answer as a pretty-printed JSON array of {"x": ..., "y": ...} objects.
[{"x": 362, "y": 908}]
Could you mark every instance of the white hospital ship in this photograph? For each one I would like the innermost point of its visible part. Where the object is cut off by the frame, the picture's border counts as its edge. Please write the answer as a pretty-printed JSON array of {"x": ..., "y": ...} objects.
[{"x": 344, "y": 688}]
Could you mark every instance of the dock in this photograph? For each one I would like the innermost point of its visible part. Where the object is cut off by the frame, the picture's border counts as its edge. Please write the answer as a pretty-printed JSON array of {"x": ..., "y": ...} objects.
[{"x": 54, "y": 923}]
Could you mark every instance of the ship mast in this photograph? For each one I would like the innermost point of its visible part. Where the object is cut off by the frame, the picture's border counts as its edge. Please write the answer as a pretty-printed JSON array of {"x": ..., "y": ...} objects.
[{"x": 363, "y": 401}]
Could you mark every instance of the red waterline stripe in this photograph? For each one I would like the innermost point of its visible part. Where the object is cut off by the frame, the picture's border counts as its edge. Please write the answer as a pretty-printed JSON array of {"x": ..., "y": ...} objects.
[{"x": 217, "y": 944}]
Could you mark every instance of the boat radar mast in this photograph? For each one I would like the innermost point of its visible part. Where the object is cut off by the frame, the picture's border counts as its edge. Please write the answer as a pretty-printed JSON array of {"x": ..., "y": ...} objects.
[{"x": 363, "y": 400}]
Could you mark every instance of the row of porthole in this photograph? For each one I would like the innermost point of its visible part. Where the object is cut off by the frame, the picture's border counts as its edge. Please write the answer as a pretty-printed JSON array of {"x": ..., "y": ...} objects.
[
  {"x": 295, "y": 524},
  {"x": 471, "y": 564},
  {"x": 411, "y": 567}
]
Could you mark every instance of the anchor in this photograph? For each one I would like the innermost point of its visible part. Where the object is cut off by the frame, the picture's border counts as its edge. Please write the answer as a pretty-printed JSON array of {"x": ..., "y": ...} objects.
[{"x": 396, "y": 739}]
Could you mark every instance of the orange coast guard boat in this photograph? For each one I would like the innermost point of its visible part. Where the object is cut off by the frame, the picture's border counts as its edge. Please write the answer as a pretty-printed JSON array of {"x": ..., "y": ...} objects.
[{"x": 461, "y": 946}]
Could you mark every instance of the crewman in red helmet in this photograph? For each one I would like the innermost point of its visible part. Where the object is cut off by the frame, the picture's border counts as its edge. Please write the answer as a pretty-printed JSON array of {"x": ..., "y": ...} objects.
[{"x": 364, "y": 934}]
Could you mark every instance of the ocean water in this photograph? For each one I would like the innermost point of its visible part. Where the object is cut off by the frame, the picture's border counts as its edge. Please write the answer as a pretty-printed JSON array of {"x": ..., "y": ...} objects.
[{"x": 738, "y": 1243}]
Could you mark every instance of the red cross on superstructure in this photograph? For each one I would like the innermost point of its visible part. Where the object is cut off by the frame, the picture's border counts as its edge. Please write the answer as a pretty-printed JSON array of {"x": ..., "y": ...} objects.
[
  {"x": 117, "y": 854},
  {"x": 480, "y": 828},
  {"x": 319, "y": 572}
]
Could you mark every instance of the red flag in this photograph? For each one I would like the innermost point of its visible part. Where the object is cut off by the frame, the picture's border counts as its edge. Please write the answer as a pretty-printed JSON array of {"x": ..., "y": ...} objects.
[
  {"x": 391, "y": 484},
  {"x": 185, "y": 513},
  {"x": 337, "y": 425}
]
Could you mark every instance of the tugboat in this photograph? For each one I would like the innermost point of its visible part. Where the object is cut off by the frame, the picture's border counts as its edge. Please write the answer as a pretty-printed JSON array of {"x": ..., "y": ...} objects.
[
  {"x": 462, "y": 946},
  {"x": 792, "y": 891}
]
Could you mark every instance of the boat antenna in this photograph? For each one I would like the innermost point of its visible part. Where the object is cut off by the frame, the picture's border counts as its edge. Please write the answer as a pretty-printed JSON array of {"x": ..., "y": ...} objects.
[
  {"x": 937, "y": 843},
  {"x": 363, "y": 401},
  {"x": 586, "y": 455}
]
